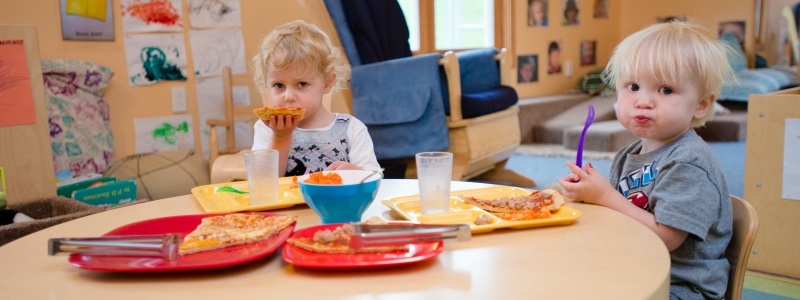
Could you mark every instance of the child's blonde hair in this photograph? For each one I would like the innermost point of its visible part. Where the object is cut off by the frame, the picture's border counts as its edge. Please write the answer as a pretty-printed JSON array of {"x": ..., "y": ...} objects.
[
  {"x": 672, "y": 52},
  {"x": 299, "y": 44}
]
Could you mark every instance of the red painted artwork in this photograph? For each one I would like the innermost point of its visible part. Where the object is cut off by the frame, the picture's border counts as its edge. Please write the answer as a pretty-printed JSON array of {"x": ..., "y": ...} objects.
[{"x": 154, "y": 12}]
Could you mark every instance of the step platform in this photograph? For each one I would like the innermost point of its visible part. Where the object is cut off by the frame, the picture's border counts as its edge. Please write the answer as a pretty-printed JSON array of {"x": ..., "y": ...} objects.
[
  {"x": 607, "y": 136},
  {"x": 552, "y": 130}
]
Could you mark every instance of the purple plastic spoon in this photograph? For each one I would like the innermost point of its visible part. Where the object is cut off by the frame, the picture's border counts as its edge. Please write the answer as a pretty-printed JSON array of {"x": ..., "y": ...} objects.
[{"x": 589, "y": 120}]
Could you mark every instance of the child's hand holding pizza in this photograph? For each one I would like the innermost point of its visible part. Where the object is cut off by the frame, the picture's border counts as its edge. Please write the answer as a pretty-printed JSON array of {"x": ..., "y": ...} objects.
[{"x": 282, "y": 120}]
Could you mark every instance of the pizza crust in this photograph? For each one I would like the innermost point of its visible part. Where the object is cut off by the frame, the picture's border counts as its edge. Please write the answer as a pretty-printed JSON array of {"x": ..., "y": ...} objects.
[
  {"x": 265, "y": 112},
  {"x": 234, "y": 229}
]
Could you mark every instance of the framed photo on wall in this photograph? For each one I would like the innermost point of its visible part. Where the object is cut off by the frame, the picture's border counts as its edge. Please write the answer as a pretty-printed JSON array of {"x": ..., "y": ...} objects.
[
  {"x": 588, "y": 52},
  {"x": 571, "y": 13},
  {"x": 527, "y": 70},
  {"x": 601, "y": 9},
  {"x": 554, "y": 57},
  {"x": 537, "y": 13},
  {"x": 670, "y": 19},
  {"x": 737, "y": 28}
]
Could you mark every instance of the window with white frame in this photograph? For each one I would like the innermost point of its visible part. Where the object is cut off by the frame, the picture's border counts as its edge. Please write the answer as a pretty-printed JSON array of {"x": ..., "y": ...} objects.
[
  {"x": 411, "y": 12},
  {"x": 464, "y": 24},
  {"x": 456, "y": 24}
]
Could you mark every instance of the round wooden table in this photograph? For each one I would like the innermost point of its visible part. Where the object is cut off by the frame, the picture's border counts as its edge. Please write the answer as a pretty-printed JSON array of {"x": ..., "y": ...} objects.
[{"x": 603, "y": 255}]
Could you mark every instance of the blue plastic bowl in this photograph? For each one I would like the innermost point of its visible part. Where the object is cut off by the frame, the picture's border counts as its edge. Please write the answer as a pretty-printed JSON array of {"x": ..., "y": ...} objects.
[{"x": 341, "y": 203}]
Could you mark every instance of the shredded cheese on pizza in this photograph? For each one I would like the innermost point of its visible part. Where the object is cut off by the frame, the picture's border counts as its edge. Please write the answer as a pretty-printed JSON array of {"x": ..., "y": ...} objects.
[
  {"x": 337, "y": 241},
  {"x": 536, "y": 205},
  {"x": 233, "y": 229}
]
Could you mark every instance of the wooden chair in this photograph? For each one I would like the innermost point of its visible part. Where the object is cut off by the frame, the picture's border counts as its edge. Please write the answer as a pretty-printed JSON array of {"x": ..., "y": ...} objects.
[
  {"x": 227, "y": 164},
  {"x": 478, "y": 150},
  {"x": 745, "y": 227},
  {"x": 481, "y": 145}
]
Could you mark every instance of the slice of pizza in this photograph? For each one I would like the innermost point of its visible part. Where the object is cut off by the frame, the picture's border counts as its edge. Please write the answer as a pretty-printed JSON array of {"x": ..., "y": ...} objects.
[
  {"x": 524, "y": 215},
  {"x": 338, "y": 241},
  {"x": 550, "y": 199},
  {"x": 265, "y": 112},
  {"x": 233, "y": 229}
]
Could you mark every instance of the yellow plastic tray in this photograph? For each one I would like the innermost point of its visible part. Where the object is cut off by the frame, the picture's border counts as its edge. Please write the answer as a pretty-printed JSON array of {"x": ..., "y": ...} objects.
[
  {"x": 462, "y": 212},
  {"x": 214, "y": 201}
]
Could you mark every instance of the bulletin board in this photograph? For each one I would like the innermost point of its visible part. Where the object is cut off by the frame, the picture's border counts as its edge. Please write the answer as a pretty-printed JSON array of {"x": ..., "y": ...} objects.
[
  {"x": 25, "y": 153},
  {"x": 777, "y": 246}
]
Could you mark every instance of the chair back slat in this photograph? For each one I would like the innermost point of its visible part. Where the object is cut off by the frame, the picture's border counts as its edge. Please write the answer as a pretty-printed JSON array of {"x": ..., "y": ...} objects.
[{"x": 745, "y": 227}]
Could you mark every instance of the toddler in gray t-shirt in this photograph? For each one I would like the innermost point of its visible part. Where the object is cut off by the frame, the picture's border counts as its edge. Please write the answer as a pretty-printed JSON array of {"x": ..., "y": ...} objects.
[{"x": 667, "y": 77}]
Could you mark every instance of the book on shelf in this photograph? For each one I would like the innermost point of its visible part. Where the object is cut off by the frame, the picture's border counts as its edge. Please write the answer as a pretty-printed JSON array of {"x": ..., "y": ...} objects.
[{"x": 100, "y": 191}]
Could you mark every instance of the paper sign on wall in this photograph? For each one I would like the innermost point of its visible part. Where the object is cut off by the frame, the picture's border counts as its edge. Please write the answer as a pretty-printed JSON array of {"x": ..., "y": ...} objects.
[
  {"x": 791, "y": 160},
  {"x": 16, "y": 97}
]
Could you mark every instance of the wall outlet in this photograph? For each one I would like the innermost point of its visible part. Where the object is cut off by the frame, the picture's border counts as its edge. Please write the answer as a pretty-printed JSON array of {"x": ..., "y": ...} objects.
[
  {"x": 179, "y": 99},
  {"x": 568, "y": 68}
]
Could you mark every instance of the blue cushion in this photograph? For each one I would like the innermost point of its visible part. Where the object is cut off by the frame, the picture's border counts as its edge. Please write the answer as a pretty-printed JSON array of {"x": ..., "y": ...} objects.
[
  {"x": 481, "y": 92},
  {"x": 736, "y": 57},
  {"x": 758, "y": 81},
  {"x": 479, "y": 70},
  {"x": 486, "y": 102},
  {"x": 786, "y": 76}
]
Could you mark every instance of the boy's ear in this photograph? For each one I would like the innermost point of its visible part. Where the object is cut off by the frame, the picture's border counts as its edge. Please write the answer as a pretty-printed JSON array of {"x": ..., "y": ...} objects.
[{"x": 706, "y": 104}]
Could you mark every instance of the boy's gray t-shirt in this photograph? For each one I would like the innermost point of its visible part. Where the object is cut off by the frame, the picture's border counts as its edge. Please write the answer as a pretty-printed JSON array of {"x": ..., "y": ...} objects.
[{"x": 682, "y": 184}]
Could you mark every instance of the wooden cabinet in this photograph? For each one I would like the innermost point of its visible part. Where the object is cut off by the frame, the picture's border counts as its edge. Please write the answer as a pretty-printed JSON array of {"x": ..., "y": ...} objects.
[{"x": 777, "y": 246}]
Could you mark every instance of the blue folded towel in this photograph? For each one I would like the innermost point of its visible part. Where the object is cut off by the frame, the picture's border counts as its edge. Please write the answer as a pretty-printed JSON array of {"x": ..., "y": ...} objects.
[{"x": 400, "y": 101}]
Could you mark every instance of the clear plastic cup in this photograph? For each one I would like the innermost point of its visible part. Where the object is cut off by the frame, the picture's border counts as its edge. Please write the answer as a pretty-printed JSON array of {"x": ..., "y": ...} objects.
[
  {"x": 262, "y": 176},
  {"x": 434, "y": 171}
]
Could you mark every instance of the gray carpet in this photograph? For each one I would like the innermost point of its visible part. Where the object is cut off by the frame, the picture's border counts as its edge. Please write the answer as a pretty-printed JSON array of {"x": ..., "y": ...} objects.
[{"x": 546, "y": 163}]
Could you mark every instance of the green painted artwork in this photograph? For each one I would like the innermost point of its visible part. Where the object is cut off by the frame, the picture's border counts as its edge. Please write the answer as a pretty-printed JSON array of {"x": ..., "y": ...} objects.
[{"x": 168, "y": 133}]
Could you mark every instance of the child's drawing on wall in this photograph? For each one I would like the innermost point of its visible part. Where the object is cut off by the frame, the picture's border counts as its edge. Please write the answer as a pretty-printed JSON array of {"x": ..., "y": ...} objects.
[
  {"x": 151, "y": 15},
  {"x": 214, "y": 49},
  {"x": 153, "y": 58},
  {"x": 163, "y": 133},
  {"x": 214, "y": 13}
]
